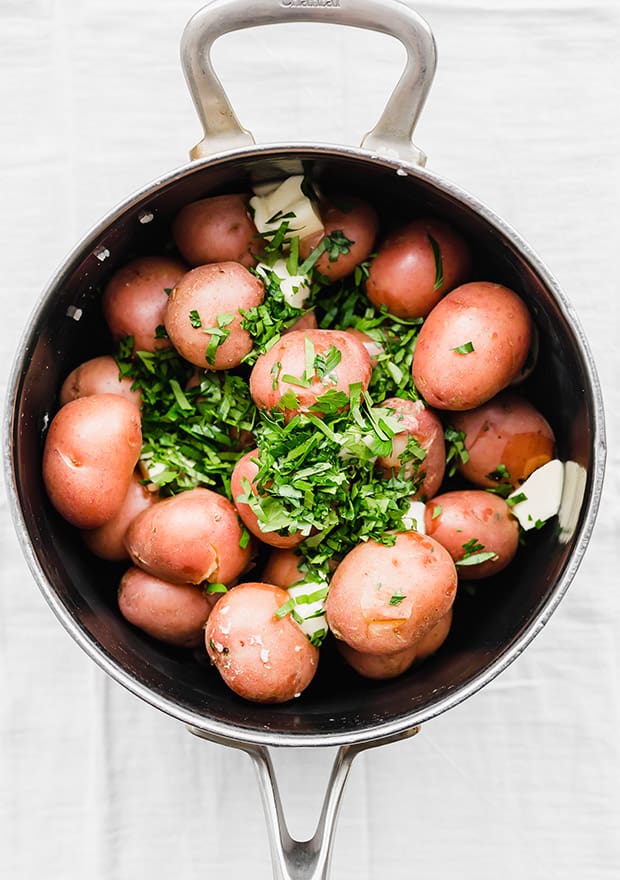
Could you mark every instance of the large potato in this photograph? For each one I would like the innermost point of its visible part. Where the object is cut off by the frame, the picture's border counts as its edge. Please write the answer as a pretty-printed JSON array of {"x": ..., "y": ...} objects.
[
  {"x": 383, "y": 666},
  {"x": 423, "y": 426},
  {"x": 260, "y": 656},
  {"x": 172, "y": 613},
  {"x": 108, "y": 541},
  {"x": 135, "y": 298},
  {"x": 246, "y": 469},
  {"x": 415, "y": 266},
  {"x": 216, "y": 230},
  {"x": 91, "y": 449},
  {"x": 283, "y": 369},
  {"x": 384, "y": 599},
  {"x": 203, "y": 317},
  {"x": 471, "y": 346},
  {"x": 98, "y": 376},
  {"x": 189, "y": 538},
  {"x": 507, "y": 439},
  {"x": 472, "y": 522},
  {"x": 358, "y": 222}
]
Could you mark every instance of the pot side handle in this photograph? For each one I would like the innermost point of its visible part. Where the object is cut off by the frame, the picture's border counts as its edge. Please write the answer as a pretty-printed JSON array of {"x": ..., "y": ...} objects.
[
  {"x": 301, "y": 859},
  {"x": 392, "y": 134}
]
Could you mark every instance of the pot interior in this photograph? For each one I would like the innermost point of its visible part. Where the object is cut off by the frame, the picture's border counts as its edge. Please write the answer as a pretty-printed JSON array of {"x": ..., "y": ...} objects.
[{"x": 490, "y": 618}]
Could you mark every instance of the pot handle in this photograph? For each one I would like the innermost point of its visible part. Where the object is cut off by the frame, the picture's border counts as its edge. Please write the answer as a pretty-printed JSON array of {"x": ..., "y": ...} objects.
[
  {"x": 392, "y": 134},
  {"x": 301, "y": 859}
]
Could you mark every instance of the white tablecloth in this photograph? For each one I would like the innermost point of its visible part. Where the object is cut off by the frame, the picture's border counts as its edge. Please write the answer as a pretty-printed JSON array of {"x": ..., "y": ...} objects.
[{"x": 523, "y": 780}]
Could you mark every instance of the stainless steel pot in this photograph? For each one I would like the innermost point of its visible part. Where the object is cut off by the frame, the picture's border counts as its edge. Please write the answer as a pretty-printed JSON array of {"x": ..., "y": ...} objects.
[{"x": 490, "y": 631}]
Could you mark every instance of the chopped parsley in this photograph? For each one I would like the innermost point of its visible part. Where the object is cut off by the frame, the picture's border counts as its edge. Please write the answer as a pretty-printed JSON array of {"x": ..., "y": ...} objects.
[
  {"x": 455, "y": 449},
  {"x": 437, "y": 509},
  {"x": 474, "y": 554},
  {"x": 194, "y": 319},
  {"x": 466, "y": 348},
  {"x": 516, "y": 499},
  {"x": 397, "y": 597}
]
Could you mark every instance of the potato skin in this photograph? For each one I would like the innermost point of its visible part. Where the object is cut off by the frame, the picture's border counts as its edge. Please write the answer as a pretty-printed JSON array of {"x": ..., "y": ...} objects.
[
  {"x": 506, "y": 430},
  {"x": 358, "y": 605},
  {"x": 306, "y": 322},
  {"x": 213, "y": 290},
  {"x": 283, "y": 569},
  {"x": 135, "y": 298},
  {"x": 474, "y": 514},
  {"x": 171, "y": 613},
  {"x": 358, "y": 221},
  {"x": 98, "y": 376},
  {"x": 403, "y": 274},
  {"x": 246, "y": 468},
  {"x": 189, "y": 538},
  {"x": 288, "y": 352},
  {"x": 384, "y": 666},
  {"x": 108, "y": 541},
  {"x": 91, "y": 449},
  {"x": 374, "y": 348},
  {"x": 497, "y": 323},
  {"x": 217, "y": 230},
  {"x": 421, "y": 423},
  {"x": 260, "y": 657}
]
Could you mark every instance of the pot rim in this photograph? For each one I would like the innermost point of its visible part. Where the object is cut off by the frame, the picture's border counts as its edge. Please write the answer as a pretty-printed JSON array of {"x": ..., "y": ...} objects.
[{"x": 381, "y": 730}]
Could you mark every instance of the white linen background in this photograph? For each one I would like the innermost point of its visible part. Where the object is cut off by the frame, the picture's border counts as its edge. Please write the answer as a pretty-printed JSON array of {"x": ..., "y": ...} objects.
[{"x": 523, "y": 780}]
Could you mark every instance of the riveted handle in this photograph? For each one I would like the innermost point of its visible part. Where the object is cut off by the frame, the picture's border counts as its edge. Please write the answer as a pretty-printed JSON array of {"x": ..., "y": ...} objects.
[{"x": 392, "y": 134}]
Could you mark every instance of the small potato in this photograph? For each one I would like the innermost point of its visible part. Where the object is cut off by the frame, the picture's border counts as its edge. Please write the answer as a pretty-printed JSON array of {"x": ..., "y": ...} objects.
[
  {"x": 507, "y": 431},
  {"x": 383, "y": 666},
  {"x": 358, "y": 222},
  {"x": 135, "y": 298},
  {"x": 260, "y": 657},
  {"x": 471, "y": 346},
  {"x": 306, "y": 322},
  {"x": 217, "y": 230},
  {"x": 422, "y": 425},
  {"x": 203, "y": 317},
  {"x": 98, "y": 376},
  {"x": 283, "y": 569},
  {"x": 384, "y": 599},
  {"x": 408, "y": 277},
  {"x": 246, "y": 469},
  {"x": 108, "y": 541},
  {"x": 91, "y": 450},
  {"x": 288, "y": 358},
  {"x": 172, "y": 613},
  {"x": 470, "y": 522},
  {"x": 189, "y": 538}
]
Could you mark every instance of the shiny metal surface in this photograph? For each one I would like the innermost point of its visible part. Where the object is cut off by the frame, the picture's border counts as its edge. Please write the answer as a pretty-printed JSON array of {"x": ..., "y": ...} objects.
[{"x": 392, "y": 134}]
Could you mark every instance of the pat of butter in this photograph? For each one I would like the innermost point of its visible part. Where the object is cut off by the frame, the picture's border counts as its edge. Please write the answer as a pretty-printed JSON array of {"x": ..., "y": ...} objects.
[
  {"x": 271, "y": 207},
  {"x": 312, "y": 613},
  {"x": 543, "y": 494},
  {"x": 150, "y": 470},
  {"x": 414, "y": 518},
  {"x": 295, "y": 288}
]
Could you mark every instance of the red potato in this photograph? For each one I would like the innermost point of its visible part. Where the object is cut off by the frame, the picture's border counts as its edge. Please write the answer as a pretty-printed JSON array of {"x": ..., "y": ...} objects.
[
  {"x": 217, "y": 230},
  {"x": 508, "y": 431},
  {"x": 260, "y": 657},
  {"x": 471, "y": 346},
  {"x": 358, "y": 222},
  {"x": 472, "y": 521},
  {"x": 172, "y": 613},
  {"x": 306, "y": 322},
  {"x": 288, "y": 358},
  {"x": 135, "y": 298},
  {"x": 384, "y": 666},
  {"x": 98, "y": 376},
  {"x": 189, "y": 538},
  {"x": 408, "y": 278},
  {"x": 211, "y": 297},
  {"x": 91, "y": 450},
  {"x": 283, "y": 569},
  {"x": 423, "y": 425},
  {"x": 384, "y": 599},
  {"x": 108, "y": 541},
  {"x": 246, "y": 469},
  {"x": 374, "y": 348}
]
